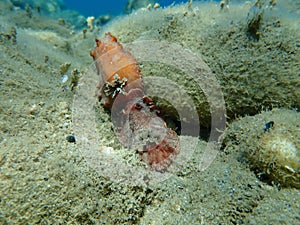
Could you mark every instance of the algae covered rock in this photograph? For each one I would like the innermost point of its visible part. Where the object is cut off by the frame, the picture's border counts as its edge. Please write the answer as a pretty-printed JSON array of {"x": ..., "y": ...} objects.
[
  {"x": 253, "y": 74},
  {"x": 136, "y": 4},
  {"x": 45, "y": 6},
  {"x": 270, "y": 143}
]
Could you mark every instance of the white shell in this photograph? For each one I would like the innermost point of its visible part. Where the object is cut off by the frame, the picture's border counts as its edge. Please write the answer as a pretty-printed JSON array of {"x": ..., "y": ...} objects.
[{"x": 64, "y": 78}]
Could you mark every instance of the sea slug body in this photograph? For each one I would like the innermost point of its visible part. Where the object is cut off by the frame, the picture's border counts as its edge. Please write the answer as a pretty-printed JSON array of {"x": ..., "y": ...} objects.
[
  {"x": 134, "y": 114},
  {"x": 145, "y": 132}
]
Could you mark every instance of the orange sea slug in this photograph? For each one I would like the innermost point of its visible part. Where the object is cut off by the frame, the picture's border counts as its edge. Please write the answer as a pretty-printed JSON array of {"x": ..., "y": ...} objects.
[
  {"x": 117, "y": 68},
  {"x": 133, "y": 113}
]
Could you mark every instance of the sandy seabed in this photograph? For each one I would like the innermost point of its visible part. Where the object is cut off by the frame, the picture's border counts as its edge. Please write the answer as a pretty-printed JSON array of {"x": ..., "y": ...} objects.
[{"x": 44, "y": 179}]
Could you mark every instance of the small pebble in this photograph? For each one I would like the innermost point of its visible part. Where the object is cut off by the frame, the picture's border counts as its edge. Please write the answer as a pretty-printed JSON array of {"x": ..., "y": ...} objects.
[
  {"x": 71, "y": 139},
  {"x": 268, "y": 125}
]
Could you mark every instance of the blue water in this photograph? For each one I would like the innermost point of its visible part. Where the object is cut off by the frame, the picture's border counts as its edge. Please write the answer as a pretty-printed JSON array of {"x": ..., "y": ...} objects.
[{"x": 102, "y": 7}]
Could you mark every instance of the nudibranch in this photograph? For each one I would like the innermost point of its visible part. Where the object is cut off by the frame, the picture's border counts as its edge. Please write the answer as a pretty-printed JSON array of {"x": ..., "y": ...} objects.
[
  {"x": 134, "y": 114},
  {"x": 117, "y": 68}
]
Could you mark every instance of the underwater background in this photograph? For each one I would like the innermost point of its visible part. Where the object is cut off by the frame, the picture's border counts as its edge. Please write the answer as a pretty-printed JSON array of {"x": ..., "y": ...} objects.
[
  {"x": 61, "y": 161},
  {"x": 95, "y": 8}
]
